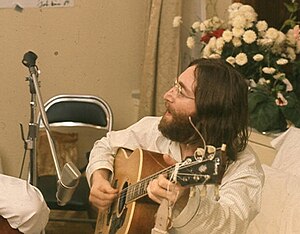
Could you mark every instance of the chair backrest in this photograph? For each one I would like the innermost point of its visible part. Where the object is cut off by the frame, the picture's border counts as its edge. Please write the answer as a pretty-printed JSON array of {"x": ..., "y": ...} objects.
[
  {"x": 89, "y": 117},
  {"x": 78, "y": 110}
]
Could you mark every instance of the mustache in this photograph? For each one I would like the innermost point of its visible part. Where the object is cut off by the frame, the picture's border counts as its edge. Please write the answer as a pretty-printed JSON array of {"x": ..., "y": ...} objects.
[{"x": 169, "y": 108}]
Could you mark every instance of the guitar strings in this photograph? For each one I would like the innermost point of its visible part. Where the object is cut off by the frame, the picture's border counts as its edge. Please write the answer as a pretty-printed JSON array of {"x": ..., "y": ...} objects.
[{"x": 128, "y": 191}]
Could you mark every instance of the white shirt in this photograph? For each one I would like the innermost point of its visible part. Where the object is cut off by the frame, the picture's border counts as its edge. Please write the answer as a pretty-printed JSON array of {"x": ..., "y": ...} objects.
[
  {"x": 240, "y": 190},
  {"x": 22, "y": 205}
]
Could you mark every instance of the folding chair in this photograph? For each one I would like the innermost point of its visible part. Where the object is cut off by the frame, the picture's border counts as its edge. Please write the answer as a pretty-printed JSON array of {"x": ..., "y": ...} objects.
[{"x": 76, "y": 122}]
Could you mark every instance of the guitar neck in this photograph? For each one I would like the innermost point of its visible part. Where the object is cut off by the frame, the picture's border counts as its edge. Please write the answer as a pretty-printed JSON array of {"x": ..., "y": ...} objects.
[
  {"x": 188, "y": 173},
  {"x": 139, "y": 189}
]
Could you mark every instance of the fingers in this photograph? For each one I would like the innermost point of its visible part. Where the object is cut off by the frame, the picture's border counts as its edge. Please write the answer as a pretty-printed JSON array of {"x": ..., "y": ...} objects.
[
  {"x": 161, "y": 188},
  {"x": 102, "y": 194}
]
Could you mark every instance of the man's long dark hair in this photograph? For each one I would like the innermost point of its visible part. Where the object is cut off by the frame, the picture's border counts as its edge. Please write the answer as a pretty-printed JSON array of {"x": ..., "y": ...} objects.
[{"x": 221, "y": 96}]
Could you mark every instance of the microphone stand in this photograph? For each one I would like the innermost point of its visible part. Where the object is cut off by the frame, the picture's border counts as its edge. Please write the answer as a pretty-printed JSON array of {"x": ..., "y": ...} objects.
[
  {"x": 68, "y": 178},
  {"x": 29, "y": 61}
]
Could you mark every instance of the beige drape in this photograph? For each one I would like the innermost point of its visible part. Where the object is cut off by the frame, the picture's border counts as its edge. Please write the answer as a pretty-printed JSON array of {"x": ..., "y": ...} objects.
[{"x": 161, "y": 56}]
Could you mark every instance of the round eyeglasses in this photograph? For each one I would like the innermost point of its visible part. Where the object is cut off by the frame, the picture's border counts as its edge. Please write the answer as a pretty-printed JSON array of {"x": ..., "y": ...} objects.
[{"x": 179, "y": 90}]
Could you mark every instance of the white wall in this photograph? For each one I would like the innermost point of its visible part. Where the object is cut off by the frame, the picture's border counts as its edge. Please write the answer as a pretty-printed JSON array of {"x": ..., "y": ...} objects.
[{"x": 95, "y": 47}]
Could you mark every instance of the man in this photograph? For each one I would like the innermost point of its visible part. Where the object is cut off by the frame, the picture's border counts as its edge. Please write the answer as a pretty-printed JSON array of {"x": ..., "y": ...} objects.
[
  {"x": 214, "y": 95},
  {"x": 22, "y": 205}
]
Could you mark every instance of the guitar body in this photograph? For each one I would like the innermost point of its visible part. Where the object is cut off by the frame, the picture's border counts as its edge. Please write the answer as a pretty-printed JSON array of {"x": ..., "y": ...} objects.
[
  {"x": 137, "y": 216},
  {"x": 5, "y": 228}
]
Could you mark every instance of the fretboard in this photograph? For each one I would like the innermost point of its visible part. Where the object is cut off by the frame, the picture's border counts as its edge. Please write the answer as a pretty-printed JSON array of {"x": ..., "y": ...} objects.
[{"x": 139, "y": 189}]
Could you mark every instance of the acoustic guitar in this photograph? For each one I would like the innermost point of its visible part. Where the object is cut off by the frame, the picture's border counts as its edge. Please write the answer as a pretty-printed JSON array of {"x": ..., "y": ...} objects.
[
  {"x": 5, "y": 228},
  {"x": 134, "y": 212}
]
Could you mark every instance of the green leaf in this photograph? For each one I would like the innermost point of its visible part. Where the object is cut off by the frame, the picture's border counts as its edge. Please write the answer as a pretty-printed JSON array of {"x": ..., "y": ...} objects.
[
  {"x": 265, "y": 115},
  {"x": 292, "y": 111},
  {"x": 291, "y": 7}
]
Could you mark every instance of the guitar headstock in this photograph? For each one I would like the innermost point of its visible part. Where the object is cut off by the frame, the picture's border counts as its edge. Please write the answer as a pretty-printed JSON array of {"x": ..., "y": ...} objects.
[{"x": 208, "y": 168}]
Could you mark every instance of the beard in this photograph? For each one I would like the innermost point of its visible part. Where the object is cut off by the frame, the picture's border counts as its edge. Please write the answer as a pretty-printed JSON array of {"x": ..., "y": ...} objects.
[{"x": 178, "y": 128}]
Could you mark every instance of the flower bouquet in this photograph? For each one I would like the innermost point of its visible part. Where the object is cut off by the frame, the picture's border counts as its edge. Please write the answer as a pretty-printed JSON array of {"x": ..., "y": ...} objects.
[{"x": 267, "y": 57}]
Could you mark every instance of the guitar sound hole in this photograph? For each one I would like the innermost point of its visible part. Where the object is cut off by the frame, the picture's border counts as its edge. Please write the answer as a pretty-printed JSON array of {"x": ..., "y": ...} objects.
[{"x": 122, "y": 200}]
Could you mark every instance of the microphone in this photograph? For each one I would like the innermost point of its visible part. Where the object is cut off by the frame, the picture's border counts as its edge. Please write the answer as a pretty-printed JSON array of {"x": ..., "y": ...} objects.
[
  {"x": 67, "y": 184},
  {"x": 29, "y": 59}
]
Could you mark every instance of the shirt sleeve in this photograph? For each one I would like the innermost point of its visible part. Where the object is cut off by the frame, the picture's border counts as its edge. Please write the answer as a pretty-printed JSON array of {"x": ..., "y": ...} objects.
[
  {"x": 22, "y": 205},
  {"x": 239, "y": 203},
  {"x": 143, "y": 134}
]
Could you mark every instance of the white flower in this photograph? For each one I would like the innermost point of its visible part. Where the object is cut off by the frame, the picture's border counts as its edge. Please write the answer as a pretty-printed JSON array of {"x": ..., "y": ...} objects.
[
  {"x": 196, "y": 26},
  {"x": 268, "y": 70},
  {"x": 230, "y": 60},
  {"x": 280, "y": 38},
  {"x": 227, "y": 35},
  {"x": 281, "y": 101},
  {"x": 290, "y": 37},
  {"x": 234, "y": 7},
  {"x": 262, "y": 81},
  {"x": 261, "y": 25},
  {"x": 239, "y": 22},
  {"x": 252, "y": 83},
  {"x": 241, "y": 59},
  {"x": 249, "y": 13},
  {"x": 220, "y": 44},
  {"x": 271, "y": 33},
  {"x": 249, "y": 36},
  {"x": 282, "y": 61},
  {"x": 217, "y": 22},
  {"x": 265, "y": 42},
  {"x": 215, "y": 56},
  {"x": 237, "y": 32},
  {"x": 190, "y": 42},
  {"x": 291, "y": 54},
  {"x": 279, "y": 75},
  {"x": 236, "y": 42},
  {"x": 258, "y": 57},
  {"x": 177, "y": 21},
  {"x": 288, "y": 84},
  {"x": 202, "y": 27}
]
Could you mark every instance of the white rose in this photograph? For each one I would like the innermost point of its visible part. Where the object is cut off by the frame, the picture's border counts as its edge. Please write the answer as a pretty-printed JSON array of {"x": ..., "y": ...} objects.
[
  {"x": 290, "y": 37},
  {"x": 227, "y": 35},
  {"x": 280, "y": 38},
  {"x": 196, "y": 26},
  {"x": 190, "y": 42},
  {"x": 239, "y": 22},
  {"x": 268, "y": 70},
  {"x": 261, "y": 25},
  {"x": 258, "y": 57},
  {"x": 265, "y": 42},
  {"x": 249, "y": 36},
  {"x": 241, "y": 59},
  {"x": 282, "y": 61},
  {"x": 234, "y": 7},
  {"x": 206, "y": 51},
  {"x": 237, "y": 32},
  {"x": 220, "y": 43},
  {"x": 202, "y": 27},
  {"x": 177, "y": 21},
  {"x": 291, "y": 53},
  {"x": 272, "y": 34}
]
